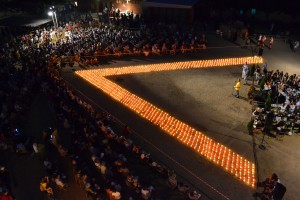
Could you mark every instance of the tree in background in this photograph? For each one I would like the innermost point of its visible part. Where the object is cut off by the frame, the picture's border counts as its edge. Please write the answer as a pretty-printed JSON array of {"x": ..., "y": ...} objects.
[
  {"x": 268, "y": 103},
  {"x": 262, "y": 83}
]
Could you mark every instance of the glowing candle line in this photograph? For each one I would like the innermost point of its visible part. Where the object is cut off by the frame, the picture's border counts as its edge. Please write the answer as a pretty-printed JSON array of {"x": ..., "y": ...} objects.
[{"x": 213, "y": 151}]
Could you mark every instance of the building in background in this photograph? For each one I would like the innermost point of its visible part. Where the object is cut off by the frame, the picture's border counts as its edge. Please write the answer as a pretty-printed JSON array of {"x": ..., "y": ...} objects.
[
  {"x": 99, "y": 5},
  {"x": 179, "y": 11}
]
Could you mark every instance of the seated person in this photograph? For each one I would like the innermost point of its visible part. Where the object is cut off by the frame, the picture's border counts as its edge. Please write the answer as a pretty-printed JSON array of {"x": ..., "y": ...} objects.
[
  {"x": 298, "y": 104},
  {"x": 21, "y": 148},
  {"x": 89, "y": 190},
  {"x": 44, "y": 186},
  {"x": 257, "y": 111},
  {"x": 270, "y": 186},
  {"x": 58, "y": 181},
  {"x": 136, "y": 183},
  {"x": 183, "y": 187},
  {"x": 270, "y": 183},
  {"x": 155, "y": 49},
  {"x": 194, "y": 195},
  {"x": 116, "y": 195},
  {"x": 123, "y": 170},
  {"x": 145, "y": 156},
  {"x": 164, "y": 48},
  {"x": 5, "y": 196},
  {"x": 62, "y": 151},
  {"x": 48, "y": 165},
  {"x": 145, "y": 192},
  {"x": 129, "y": 180}
]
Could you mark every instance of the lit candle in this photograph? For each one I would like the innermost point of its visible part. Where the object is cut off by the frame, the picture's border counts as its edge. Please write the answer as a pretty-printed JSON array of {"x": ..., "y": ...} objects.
[{"x": 210, "y": 149}]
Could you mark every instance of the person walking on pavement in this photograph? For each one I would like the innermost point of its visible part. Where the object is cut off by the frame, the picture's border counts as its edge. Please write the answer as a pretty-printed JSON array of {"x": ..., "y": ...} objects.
[
  {"x": 245, "y": 72},
  {"x": 237, "y": 88}
]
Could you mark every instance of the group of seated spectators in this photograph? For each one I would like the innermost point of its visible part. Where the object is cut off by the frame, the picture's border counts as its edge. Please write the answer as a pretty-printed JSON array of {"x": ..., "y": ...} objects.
[
  {"x": 94, "y": 142},
  {"x": 278, "y": 107},
  {"x": 88, "y": 41},
  {"x": 17, "y": 88},
  {"x": 28, "y": 65}
]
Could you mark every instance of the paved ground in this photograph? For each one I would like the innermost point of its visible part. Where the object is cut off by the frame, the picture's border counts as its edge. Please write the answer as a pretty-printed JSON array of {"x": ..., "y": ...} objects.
[
  {"x": 202, "y": 98},
  {"x": 23, "y": 19}
]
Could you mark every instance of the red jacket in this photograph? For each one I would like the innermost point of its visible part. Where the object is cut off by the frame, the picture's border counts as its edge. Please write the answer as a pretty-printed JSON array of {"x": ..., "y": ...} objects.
[{"x": 5, "y": 197}]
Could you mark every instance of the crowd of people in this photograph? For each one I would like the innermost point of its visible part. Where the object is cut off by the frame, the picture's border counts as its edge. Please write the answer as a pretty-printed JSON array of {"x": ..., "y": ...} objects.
[
  {"x": 17, "y": 88},
  {"x": 28, "y": 66},
  {"x": 277, "y": 99},
  {"x": 112, "y": 154},
  {"x": 31, "y": 63},
  {"x": 87, "y": 40}
]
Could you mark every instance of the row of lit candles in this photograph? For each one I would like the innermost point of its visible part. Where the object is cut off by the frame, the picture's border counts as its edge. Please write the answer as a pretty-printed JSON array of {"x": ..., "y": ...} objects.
[
  {"x": 213, "y": 151},
  {"x": 178, "y": 65}
]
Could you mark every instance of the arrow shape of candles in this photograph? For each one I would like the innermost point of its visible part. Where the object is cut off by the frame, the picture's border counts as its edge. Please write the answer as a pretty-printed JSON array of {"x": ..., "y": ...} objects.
[{"x": 210, "y": 149}]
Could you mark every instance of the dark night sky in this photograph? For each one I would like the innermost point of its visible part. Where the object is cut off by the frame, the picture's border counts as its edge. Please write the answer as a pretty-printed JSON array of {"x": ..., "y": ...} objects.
[{"x": 287, "y": 6}]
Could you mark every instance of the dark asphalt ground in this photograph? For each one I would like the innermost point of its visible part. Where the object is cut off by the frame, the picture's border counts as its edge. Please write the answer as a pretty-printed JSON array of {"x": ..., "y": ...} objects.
[
  {"x": 192, "y": 168},
  {"x": 210, "y": 180}
]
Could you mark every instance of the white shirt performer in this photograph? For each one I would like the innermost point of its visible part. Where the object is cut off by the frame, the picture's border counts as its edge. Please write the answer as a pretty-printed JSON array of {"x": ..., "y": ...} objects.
[{"x": 245, "y": 72}]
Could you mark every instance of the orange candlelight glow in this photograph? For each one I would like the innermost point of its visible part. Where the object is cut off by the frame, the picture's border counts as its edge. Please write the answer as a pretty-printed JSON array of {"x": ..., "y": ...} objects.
[{"x": 210, "y": 149}]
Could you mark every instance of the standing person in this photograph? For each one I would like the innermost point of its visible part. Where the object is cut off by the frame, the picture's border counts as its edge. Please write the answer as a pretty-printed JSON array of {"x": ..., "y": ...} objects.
[
  {"x": 237, "y": 88},
  {"x": 295, "y": 46},
  {"x": 245, "y": 72},
  {"x": 259, "y": 39},
  {"x": 265, "y": 68},
  {"x": 126, "y": 131},
  {"x": 271, "y": 40},
  {"x": 246, "y": 35},
  {"x": 247, "y": 43},
  {"x": 263, "y": 39}
]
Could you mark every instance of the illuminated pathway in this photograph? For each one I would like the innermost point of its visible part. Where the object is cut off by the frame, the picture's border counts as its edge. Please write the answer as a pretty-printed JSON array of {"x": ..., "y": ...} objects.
[{"x": 210, "y": 149}]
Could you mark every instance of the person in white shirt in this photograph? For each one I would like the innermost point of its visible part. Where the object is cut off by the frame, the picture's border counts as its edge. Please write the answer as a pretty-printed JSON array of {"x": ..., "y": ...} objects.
[{"x": 245, "y": 72}]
